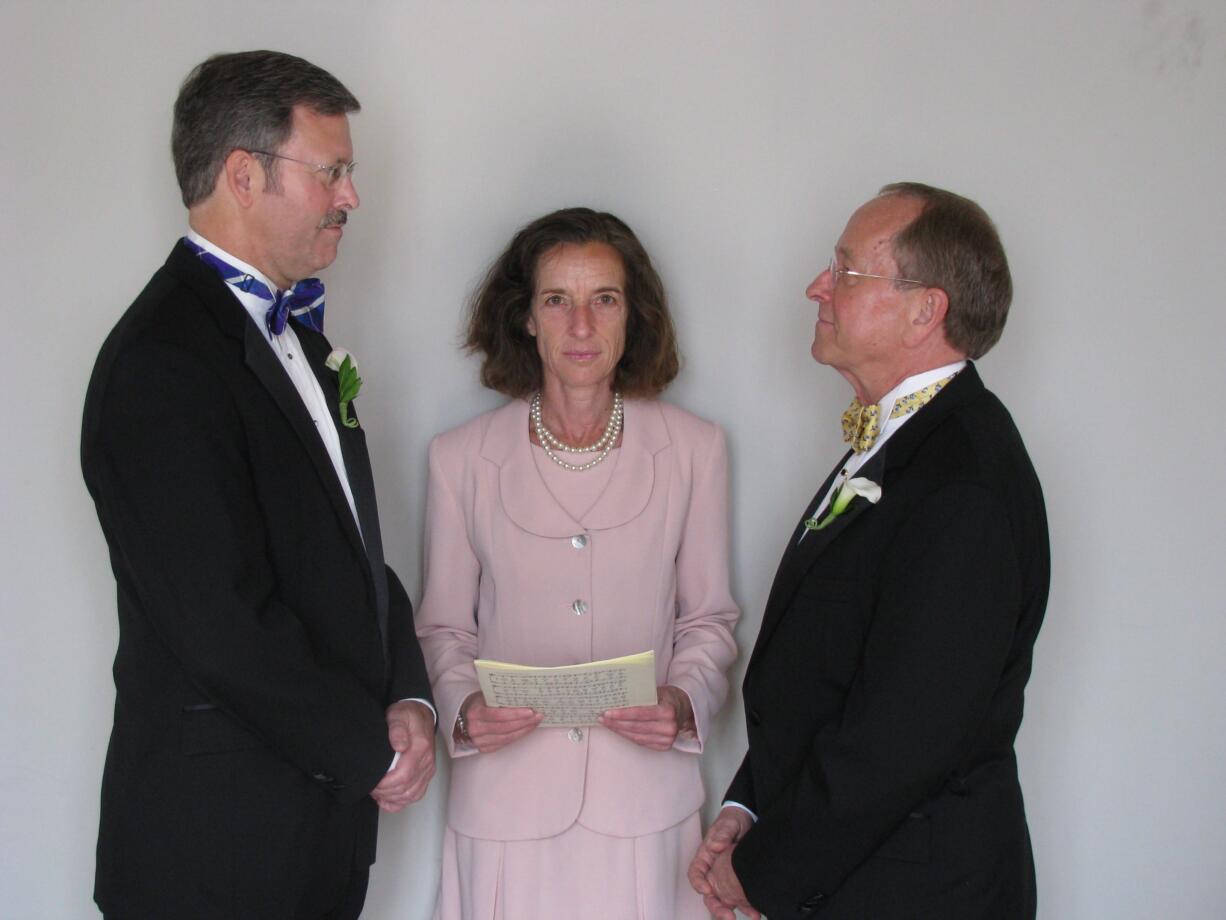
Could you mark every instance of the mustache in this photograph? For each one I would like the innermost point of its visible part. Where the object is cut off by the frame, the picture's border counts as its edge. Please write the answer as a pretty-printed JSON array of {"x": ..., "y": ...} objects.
[{"x": 334, "y": 219}]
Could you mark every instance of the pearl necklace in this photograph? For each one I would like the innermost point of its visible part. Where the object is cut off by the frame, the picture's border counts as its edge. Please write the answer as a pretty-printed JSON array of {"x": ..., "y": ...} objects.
[{"x": 552, "y": 443}]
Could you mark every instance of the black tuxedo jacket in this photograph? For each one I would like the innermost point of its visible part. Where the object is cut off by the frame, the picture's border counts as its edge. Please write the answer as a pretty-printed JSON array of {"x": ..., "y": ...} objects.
[
  {"x": 261, "y": 636},
  {"x": 885, "y": 689}
]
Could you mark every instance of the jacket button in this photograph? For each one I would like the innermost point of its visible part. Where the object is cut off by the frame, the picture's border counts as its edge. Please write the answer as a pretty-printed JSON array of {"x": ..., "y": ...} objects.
[
  {"x": 579, "y": 541},
  {"x": 811, "y": 903},
  {"x": 580, "y": 608},
  {"x": 575, "y": 734}
]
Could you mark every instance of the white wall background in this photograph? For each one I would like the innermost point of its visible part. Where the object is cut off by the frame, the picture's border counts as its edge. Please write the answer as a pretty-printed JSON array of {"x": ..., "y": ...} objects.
[{"x": 735, "y": 138}]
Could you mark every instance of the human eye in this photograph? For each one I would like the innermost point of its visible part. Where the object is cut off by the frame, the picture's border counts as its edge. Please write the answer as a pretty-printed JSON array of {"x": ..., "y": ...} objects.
[
  {"x": 554, "y": 300},
  {"x": 336, "y": 172}
]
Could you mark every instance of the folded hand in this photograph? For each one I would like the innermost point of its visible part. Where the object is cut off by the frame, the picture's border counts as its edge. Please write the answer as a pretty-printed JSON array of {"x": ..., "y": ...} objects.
[
  {"x": 410, "y": 731},
  {"x": 711, "y": 873}
]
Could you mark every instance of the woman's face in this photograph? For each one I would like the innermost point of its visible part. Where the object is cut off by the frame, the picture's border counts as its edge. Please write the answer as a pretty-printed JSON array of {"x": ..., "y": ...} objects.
[{"x": 579, "y": 314}]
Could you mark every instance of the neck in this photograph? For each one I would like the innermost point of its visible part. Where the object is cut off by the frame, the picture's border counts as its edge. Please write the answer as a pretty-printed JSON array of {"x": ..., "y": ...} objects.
[
  {"x": 872, "y": 386},
  {"x": 576, "y": 415},
  {"x": 223, "y": 230},
  {"x": 869, "y": 388}
]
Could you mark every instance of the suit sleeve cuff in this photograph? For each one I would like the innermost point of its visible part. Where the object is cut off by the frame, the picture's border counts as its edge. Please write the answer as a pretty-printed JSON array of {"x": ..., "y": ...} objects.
[
  {"x": 731, "y": 804},
  {"x": 426, "y": 703}
]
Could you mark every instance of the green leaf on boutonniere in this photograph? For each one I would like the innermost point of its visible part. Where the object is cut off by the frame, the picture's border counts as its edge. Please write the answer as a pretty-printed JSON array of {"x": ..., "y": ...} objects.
[{"x": 348, "y": 382}]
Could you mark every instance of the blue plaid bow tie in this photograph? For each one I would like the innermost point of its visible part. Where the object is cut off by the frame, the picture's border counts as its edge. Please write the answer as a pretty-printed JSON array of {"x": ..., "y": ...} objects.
[{"x": 304, "y": 301}]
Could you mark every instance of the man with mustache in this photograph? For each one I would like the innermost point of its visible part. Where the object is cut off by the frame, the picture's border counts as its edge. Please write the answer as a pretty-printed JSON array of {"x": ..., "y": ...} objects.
[{"x": 270, "y": 692}]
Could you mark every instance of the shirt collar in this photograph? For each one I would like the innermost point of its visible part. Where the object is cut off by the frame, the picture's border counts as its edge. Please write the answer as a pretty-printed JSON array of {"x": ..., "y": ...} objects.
[
  {"x": 255, "y": 306},
  {"x": 915, "y": 383}
]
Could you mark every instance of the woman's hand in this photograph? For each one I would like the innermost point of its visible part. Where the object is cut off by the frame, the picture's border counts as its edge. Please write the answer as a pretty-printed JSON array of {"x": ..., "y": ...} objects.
[
  {"x": 657, "y": 726},
  {"x": 492, "y": 727}
]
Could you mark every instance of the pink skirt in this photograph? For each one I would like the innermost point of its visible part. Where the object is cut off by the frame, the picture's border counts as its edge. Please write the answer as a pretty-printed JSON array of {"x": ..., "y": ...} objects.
[{"x": 578, "y": 873}]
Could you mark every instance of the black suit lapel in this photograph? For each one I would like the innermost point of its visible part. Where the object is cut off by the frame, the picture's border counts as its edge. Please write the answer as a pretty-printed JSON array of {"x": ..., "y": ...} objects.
[
  {"x": 357, "y": 466},
  {"x": 799, "y": 548},
  {"x": 260, "y": 359},
  {"x": 264, "y": 364},
  {"x": 804, "y": 552},
  {"x": 800, "y": 554}
]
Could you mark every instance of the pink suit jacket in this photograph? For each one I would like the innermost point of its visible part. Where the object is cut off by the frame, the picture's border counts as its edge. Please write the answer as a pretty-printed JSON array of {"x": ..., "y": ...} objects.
[{"x": 502, "y": 573}]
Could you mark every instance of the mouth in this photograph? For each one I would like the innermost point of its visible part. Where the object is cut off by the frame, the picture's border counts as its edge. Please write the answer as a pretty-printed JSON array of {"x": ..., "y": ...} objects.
[
  {"x": 581, "y": 355},
  {"x": 334, "y": 220}
]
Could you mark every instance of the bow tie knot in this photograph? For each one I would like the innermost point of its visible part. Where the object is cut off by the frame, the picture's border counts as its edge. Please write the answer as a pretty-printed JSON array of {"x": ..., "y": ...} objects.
[
  {"x": 861, "y": 425},
  {"x": 304, "y": 301}
]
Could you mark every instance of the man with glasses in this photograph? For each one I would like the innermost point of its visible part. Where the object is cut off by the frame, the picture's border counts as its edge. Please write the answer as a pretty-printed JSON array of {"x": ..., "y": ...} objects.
[
  {"x": 270, "y": 693},
  {"x": 885, "y": 689}
]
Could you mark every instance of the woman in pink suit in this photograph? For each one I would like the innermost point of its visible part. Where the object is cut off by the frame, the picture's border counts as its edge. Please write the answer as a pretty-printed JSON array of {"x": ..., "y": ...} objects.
[{"x": 583, "y": 520}]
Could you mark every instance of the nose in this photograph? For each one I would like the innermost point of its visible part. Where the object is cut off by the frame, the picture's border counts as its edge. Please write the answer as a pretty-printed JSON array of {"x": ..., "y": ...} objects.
[
  {"x": 581, "y": 320},
  {"x": 821, "y": 287},
  {"x": 347, "y": 194}
]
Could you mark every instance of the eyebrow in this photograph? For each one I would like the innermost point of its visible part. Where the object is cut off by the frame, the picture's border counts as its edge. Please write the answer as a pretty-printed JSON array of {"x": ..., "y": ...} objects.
[
  {"x": 322, "y": 159},
  {"x": 601, "y": 290}
]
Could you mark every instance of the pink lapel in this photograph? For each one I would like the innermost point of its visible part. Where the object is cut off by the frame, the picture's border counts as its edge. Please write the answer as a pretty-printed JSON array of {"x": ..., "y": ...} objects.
[{"x": 527, "y": 501}]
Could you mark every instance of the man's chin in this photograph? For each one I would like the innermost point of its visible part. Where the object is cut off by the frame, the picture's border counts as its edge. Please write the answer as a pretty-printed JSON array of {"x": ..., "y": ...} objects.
[{"x": 325, "y": 254}]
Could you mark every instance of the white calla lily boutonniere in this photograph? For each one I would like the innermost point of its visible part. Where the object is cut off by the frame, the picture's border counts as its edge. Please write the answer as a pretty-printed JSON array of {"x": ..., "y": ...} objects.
[
  {"x": 348, "y": 381},
  {"x": 864, "y": 488}
]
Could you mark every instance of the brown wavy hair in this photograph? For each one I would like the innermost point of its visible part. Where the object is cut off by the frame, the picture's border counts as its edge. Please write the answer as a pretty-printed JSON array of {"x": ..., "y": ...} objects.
[{"x": 499, "y": 309}]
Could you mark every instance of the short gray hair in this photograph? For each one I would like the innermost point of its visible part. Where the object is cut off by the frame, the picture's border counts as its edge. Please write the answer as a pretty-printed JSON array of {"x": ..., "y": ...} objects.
[{"x": 244, "y": 101}]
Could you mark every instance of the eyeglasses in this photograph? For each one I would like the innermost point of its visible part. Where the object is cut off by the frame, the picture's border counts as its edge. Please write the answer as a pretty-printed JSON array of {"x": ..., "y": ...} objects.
[
  {"x": 332, "y": 174},
  {"x": 835, "y": 271}
]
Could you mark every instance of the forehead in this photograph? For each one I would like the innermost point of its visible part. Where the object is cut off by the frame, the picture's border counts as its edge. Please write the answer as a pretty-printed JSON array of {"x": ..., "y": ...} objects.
[
  {"x": 569, "y": 262},
  {"x": 325, "y": 136},
  {"x": 870, "y": 231}
]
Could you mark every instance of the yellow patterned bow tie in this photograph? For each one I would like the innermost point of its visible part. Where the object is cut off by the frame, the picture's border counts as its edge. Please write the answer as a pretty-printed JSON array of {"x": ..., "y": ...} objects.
[{"x": 862, "y": 424}]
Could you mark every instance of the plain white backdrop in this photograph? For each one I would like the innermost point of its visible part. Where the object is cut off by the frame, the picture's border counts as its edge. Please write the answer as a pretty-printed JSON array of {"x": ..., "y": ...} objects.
[{"x": 735, "y": 138}]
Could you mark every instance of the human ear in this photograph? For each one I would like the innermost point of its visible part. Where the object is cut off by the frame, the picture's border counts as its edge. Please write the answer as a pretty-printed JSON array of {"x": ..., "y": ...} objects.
[
  {"x": 239, "y": 174},
  {"x": 927, "y": 315}
]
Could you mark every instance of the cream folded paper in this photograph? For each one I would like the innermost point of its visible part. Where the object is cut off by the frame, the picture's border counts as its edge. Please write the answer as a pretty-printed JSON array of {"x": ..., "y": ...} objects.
[{"x": 571, "y": 694}]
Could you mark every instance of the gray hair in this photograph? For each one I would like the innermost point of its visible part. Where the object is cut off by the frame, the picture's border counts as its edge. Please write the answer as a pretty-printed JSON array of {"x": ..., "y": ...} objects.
[{"x": 244, "y": 101}]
